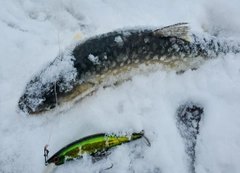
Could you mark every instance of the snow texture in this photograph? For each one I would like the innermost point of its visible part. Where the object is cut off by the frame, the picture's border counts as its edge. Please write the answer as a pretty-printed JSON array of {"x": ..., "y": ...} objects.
[
  {"x": 29, "y": 34},
  {"x": 119, "y": 40},
  {"x": 93, "y": 59}
]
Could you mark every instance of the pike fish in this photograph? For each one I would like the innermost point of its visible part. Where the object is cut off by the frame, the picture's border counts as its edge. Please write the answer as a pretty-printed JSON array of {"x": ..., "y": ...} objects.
[
  {"x": 94, "y": 145},
  {"x": 117, "y": 56}
]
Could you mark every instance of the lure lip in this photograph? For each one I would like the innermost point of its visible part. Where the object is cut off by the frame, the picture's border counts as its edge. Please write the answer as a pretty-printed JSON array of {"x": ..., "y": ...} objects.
[{"x": 49, "y": 168}]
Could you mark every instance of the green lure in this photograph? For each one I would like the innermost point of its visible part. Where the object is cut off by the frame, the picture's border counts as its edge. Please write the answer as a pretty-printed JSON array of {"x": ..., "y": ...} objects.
[{"x": 91, "y": 145}]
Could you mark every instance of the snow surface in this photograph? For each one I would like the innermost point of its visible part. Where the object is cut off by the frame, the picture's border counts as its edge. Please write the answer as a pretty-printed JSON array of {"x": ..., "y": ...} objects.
[{"x": 29, "y": 41}]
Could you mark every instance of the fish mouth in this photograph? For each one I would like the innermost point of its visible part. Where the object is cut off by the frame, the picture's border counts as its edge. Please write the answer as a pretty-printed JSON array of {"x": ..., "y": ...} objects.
[
  {"x": 37, "y": 111},
  {"x": 29, "y": 107},
  {"x": 40, "y": 109}
]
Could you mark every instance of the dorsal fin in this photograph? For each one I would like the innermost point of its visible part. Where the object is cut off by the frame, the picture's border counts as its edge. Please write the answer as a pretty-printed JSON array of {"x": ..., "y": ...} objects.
[{"x": 179, "y": 30}]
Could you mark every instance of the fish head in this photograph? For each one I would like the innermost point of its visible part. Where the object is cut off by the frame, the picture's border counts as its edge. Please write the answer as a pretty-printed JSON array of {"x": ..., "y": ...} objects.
[
  {"x": 36, "y": 101},
  {"x": 43, "y": 89},
  {"x": 45, "y": 105}
]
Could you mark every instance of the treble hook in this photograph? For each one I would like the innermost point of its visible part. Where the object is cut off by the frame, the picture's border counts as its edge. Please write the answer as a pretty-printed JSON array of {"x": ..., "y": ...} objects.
[{"x": 147, "y": 141}]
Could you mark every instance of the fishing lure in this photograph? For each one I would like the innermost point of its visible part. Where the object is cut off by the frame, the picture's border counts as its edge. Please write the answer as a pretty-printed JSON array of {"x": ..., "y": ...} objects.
[
  {"x": 94, "y": 145},
  {"x": 112, "y": 58}
]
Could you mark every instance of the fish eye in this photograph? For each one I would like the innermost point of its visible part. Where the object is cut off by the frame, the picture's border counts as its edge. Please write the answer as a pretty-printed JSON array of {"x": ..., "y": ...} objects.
[{"x": 52, "y": 106}]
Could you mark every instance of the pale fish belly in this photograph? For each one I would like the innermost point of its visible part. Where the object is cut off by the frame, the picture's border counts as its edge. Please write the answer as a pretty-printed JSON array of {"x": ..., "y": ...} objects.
[{"x": 126, "y": 72}]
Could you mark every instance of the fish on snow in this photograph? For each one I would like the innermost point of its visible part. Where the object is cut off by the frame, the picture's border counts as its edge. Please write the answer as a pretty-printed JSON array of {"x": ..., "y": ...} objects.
[{"x": 116, "y": 56}]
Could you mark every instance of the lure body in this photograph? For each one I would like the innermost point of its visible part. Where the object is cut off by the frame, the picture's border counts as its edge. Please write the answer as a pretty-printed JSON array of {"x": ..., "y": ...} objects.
[
  {"x": 91, "y": 145},
  {"x": 109, "y": 58}
]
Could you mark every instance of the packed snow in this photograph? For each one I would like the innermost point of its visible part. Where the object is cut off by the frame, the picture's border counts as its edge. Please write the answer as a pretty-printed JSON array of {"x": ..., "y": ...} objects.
[{"x": 34, "y": 32}]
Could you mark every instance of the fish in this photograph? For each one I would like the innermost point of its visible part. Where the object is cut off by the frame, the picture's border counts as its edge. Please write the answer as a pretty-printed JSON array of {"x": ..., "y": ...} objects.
[
  {"x": 112, "y": 58},
  {"x": 95, "y": 145}
]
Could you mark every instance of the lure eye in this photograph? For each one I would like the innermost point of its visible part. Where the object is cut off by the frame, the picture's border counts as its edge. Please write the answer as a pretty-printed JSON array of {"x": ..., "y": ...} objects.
[{"x": 56, "y": 159}]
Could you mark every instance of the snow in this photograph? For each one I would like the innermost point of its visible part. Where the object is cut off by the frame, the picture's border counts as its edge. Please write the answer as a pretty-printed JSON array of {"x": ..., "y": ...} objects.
[
  {"x": 119, "y": 40},
  {"x": 93, "y": 59},
  {"x": 29, "y": 42}
]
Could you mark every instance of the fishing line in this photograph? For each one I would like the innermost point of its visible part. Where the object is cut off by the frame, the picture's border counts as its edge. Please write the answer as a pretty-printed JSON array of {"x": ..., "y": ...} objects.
[{"x": 55, "y": 85}]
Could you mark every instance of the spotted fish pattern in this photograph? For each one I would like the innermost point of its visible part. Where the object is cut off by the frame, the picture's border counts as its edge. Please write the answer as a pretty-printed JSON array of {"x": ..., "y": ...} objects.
[{"x": 114, "y": 57}]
